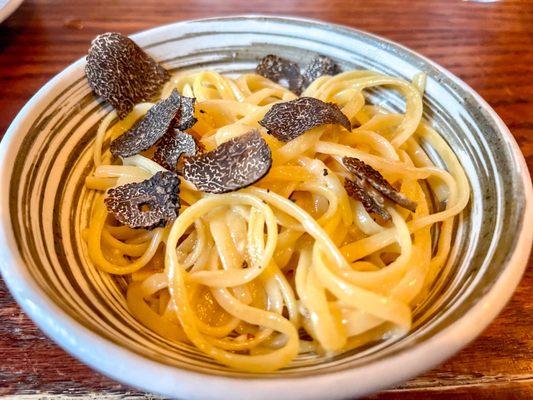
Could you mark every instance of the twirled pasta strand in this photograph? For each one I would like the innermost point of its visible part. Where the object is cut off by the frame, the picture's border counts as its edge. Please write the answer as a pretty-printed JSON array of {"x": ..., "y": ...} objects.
[{"x": 242, "y": 275}]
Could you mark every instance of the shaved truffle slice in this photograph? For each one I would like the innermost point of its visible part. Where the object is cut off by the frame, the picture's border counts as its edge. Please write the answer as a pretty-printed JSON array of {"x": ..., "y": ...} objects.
[
  {"x": 148, "y": 204},
  {"x": 157, "y": 121},
  {"x": 373, "y": 204},
  {"x": 278, "y": 69},
  {"x": 287, "y": 121},
  {"x": 172, "y": 146},
  {"x": 186, "y": 118},
  {"x": 320, "y": 66},
  {"x": 233, "y": 165},
  {"x": 120, "y": 72},
  {"x": 365, "y": 173}
]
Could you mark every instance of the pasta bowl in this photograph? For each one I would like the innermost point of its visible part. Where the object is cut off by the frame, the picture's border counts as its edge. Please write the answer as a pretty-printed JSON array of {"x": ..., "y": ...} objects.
[
  {"x": 46, "y": 155},
  {"x": 8, "y": 7}
]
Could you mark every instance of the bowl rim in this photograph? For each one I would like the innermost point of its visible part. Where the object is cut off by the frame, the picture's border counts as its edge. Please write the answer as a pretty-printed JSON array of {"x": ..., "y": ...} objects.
[
  {"x": 116, "y": 362},
  {"x": 9, "y": 8}
]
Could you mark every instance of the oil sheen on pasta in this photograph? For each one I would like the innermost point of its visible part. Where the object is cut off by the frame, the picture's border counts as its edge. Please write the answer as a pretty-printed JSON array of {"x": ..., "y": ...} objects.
[{"x": 291, "y": 264}]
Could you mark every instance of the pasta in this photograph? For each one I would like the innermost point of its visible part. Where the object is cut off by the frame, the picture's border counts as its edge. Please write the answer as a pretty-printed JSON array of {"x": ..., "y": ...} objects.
[{"x": 291, "y": 264}]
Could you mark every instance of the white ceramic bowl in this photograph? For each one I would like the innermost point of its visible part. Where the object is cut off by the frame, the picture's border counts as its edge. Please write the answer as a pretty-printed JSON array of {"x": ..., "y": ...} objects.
[
  {"x": 8, "y": 7},
  {"x": 45, "y": 155}
]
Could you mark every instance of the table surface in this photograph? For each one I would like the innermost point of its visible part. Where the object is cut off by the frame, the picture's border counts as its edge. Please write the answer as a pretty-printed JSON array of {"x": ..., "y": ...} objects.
[{"x": 487, "y": 44}]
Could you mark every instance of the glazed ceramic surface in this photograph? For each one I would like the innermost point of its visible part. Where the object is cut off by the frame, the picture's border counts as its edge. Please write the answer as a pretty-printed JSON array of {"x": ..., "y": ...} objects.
[
  {"x": 46, "y": 155},
  {"x": 8, "y": 7}
]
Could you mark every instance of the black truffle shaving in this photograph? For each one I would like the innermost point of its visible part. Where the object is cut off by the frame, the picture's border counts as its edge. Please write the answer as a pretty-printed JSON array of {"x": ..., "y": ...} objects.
[
  {"x": 287, "y": 121},
  {"x": 278, "y": 69},
  {"x": 157, "y": 121},
  {"x": 233, "y": 165},
  {"x": 186, "y": 119},
  {"x": 121, "y": 73},
  {"x": 320, "y": 66},
  {"x": 365, "y": 173},
  {"x": 372, "y": 201},
  {"x": 172, "y": 146},
  {"x": 148, "y": 204}
]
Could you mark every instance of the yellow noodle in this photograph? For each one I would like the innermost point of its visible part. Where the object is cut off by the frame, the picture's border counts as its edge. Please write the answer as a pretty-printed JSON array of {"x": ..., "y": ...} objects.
[{"x": 243, "y": 272}]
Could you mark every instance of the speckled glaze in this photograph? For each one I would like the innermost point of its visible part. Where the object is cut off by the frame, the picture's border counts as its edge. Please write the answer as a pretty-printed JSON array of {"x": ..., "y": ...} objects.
[{"x": 45, "y": 156}]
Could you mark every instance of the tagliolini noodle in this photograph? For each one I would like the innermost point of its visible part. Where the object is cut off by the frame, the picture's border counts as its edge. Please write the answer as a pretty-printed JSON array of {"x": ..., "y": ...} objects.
[{"x": 291, "y": 264}]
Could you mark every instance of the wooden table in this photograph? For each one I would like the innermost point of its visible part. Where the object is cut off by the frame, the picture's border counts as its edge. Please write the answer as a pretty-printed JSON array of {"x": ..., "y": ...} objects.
[{"x": 488, "y": 44}]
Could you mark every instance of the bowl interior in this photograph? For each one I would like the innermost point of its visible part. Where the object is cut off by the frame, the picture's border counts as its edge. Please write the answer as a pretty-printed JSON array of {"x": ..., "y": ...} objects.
[{"x": 48, "y": 203}]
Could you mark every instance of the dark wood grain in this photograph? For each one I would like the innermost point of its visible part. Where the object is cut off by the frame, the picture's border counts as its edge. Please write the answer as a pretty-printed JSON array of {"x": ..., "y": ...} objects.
[{"x": 489, "y": 45}]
